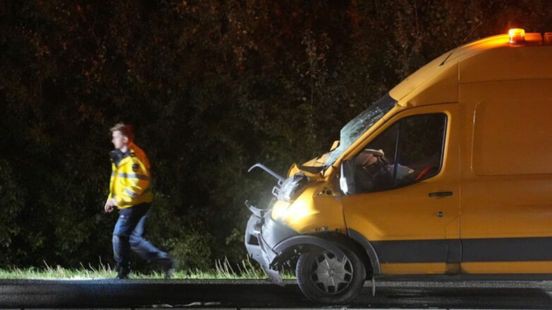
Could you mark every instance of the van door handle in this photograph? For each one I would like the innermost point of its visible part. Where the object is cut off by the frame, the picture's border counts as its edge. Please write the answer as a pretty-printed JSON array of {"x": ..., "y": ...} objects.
[{"x": 439, "y": 194}]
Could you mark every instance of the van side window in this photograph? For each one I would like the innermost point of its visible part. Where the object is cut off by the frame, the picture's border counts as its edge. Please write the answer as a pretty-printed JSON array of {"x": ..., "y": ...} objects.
[{"x": 409, "y": 151}]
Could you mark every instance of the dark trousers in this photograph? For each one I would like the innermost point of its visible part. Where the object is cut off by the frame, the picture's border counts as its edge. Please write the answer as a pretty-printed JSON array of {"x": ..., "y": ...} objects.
[{"x": 128, "y": 235}]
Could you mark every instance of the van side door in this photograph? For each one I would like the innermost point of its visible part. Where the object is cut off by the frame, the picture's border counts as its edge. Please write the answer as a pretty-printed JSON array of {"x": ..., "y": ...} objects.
[{"x": 412, "y": 220}]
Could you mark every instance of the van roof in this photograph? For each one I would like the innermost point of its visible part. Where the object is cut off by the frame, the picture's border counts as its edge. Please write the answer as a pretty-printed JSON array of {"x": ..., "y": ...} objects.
[{"x": 489, "y": 59}]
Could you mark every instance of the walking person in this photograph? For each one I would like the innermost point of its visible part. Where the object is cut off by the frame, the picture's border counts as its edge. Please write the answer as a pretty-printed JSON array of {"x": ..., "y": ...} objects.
[{"x": 130, "y": 192}]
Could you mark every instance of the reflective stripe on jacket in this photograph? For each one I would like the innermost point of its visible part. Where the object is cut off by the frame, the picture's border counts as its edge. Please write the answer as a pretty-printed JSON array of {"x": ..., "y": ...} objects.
[{"x": 130, "y": 178}]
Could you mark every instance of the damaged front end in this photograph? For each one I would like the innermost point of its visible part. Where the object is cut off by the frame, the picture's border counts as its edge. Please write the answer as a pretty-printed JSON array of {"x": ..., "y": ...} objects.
[{"x": 263, "y": 234}]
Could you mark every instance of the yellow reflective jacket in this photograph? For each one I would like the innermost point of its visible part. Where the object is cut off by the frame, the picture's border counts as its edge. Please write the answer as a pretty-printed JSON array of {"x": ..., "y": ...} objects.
[{"x": 130, "y": 182}]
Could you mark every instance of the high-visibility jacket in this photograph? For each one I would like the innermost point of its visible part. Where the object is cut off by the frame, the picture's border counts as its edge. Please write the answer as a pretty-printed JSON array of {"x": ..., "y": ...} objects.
[{"x": 130, "y": 182}]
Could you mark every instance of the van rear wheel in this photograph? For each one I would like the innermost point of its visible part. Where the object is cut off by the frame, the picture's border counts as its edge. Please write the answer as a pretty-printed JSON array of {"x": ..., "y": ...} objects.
[{"x": 322, "y": 277}]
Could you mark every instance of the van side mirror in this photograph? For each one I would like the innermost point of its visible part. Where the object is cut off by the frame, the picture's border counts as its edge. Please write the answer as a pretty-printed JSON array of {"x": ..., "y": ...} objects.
[
  {"x": 335, "y": 145},
  {"x": 347, "y": 177}
]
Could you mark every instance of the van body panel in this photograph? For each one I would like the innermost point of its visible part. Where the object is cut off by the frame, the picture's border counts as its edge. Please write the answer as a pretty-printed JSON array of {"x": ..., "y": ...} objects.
[
  {"x": 315, "y": 210},
  {"x": 499, "y": 207},
  {"x": 489, "y": 59},
  {"x": 427, "y": 75},
  {"x": 506, "y": 117},
  {"x": 507, "y": 249},
  {"x": 417, "y": 268},
  {"x": 439, "y": 89},
  {"x": 507, "y": 63},
  {"x": 507, "y": 175},
  {"x": 498, "y": 267},
  {"x": 433, "y": 72}
]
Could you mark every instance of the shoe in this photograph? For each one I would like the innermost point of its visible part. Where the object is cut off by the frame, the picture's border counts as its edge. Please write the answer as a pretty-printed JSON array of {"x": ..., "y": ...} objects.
[
  {"x": 168, "y": 267},
  {"x": 122, "y": 273},
  {"x": 122, "y": 276}
]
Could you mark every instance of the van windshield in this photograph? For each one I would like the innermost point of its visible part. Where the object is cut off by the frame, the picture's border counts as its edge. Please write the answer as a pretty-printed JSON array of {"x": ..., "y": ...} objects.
[{"x": 358, "y": 125}]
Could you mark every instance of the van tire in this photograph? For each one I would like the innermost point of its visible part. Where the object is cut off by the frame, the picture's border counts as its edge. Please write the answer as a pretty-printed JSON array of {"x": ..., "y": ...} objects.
[{"x": 313, "y": 276}]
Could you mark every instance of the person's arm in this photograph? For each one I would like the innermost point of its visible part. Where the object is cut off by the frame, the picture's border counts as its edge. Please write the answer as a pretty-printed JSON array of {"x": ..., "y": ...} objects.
[
  {"x": 110, "y": 202},
  {"x": 112, "y": 181}
]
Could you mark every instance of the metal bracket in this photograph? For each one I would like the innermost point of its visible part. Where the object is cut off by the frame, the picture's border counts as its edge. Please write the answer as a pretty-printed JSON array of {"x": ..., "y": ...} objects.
[
  {"x": 256, "y": 211},
  {"x": 373, "y": 286},
  {"x": 267, "y": 170}
]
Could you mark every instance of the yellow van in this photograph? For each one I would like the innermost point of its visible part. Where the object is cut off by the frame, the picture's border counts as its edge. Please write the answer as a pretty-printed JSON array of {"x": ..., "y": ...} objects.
[{"x": 450, "y": 173}]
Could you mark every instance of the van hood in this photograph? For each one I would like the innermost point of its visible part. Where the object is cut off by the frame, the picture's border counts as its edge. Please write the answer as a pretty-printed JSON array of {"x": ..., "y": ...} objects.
[{"x": 312, "y": 168}]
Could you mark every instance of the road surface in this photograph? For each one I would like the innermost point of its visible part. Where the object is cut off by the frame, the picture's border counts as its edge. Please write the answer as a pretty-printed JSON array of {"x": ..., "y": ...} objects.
[{"x": 23, "y": 294}]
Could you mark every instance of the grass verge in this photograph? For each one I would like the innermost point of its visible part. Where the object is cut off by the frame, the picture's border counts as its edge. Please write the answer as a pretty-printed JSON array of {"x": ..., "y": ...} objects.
[{"x": 223, "y": 270}]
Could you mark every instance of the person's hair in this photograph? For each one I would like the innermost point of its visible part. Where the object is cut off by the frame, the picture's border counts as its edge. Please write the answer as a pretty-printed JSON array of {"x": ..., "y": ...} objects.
[{"x": 125, "y": 129}]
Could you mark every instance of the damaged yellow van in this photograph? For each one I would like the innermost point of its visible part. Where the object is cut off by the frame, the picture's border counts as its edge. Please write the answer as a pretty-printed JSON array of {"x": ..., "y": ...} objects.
[{"x": 450, "y": 173}]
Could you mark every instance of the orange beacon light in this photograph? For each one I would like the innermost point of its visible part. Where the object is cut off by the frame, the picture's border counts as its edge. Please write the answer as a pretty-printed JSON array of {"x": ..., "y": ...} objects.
[{"x": 517, "y": 35}]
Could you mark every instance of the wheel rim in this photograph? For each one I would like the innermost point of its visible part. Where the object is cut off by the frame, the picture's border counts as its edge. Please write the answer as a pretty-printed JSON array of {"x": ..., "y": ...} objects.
[{"x": 330, "y": 274}]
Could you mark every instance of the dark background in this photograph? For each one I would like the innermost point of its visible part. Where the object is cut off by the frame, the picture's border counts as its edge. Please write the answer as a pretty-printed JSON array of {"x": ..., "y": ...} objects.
[{"x": 212, "y": 87}]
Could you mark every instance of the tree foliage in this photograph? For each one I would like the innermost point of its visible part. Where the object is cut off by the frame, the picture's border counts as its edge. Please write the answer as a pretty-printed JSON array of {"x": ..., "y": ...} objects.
[{"x": 212, "y": 87}]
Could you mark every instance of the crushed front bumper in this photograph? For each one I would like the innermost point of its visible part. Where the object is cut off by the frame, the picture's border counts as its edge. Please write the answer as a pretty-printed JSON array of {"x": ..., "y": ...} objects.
[{"x": 261, "y": 236}]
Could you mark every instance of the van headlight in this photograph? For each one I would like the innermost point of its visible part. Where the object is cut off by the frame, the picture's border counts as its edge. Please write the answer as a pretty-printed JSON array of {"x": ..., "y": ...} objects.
[{"x": 293, "y": 213}]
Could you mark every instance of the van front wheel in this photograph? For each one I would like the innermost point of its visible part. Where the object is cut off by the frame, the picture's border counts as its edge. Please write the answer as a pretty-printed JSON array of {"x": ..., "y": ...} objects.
[{"x": 322, "y": 277}]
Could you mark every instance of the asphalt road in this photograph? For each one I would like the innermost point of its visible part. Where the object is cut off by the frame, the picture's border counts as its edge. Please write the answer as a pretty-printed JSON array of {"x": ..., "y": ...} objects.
[{"x": 257, "y": 294}]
